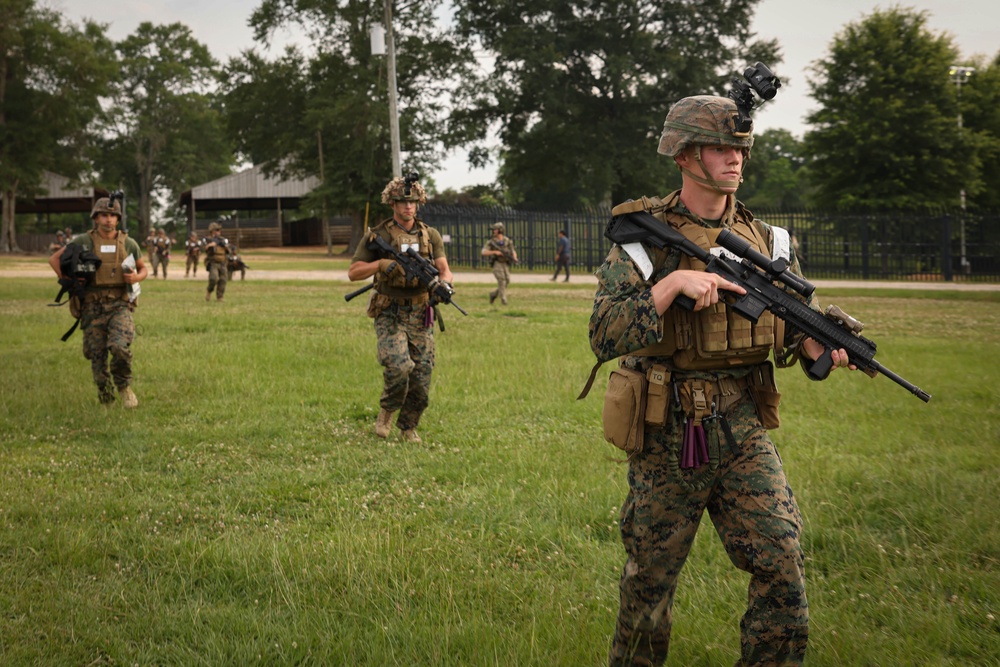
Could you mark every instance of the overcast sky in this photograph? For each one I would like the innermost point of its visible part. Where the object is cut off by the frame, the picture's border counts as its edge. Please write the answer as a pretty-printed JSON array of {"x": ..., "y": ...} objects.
[{"x": 803, "y": 28}]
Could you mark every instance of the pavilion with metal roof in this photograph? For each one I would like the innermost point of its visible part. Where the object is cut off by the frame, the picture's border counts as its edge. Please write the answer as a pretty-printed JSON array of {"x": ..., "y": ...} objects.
[{"x": 248, "y": 190}]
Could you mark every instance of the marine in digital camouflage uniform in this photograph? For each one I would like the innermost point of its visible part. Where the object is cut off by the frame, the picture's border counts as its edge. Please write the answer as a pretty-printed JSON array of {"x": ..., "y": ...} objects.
[
  {"x": 401, "y": 308},
  {"x": 709, "y": 448},
  {"x": 106, "y": 311},
  {"x": 499, "y": 249},
  {"x": 216, "y": 262}
]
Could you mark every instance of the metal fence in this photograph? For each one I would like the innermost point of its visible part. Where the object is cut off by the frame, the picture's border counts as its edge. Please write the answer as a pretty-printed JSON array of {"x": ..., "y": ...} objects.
[{"x": 890, "y": 245}]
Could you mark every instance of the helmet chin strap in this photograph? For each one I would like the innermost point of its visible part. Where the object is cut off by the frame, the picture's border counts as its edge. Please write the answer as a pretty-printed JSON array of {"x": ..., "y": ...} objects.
[{"x": 716, "y": 185}]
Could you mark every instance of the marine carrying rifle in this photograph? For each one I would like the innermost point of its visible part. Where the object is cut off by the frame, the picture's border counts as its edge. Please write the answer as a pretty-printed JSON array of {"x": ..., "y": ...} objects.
[
  {"x": 756, "y": 274},
  {"x": 416, "y": 267}
]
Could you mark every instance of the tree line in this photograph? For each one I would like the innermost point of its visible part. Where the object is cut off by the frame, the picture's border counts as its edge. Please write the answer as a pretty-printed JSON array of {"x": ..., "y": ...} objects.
[{"x": 567, "y": 97}]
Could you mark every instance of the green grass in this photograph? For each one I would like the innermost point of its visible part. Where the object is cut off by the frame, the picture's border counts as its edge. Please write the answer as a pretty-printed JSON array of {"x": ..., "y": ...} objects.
[{"x": 245, "y": 514}]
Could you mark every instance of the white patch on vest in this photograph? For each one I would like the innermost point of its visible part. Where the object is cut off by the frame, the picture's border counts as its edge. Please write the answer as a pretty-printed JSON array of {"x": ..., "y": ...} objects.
[
  {"x": 782, "y": 244},
  {"x": 403, "y": 247},
  {"x": 719, "y": 251},
  {"x": 109, "y": 248},
  {"x": 639, "y": 256}
]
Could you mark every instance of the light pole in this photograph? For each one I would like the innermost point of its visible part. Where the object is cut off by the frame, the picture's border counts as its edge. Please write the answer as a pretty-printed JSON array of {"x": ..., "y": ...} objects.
[
  {"x": 382, "y": 42},
  {"x": 959, "y": 75}
]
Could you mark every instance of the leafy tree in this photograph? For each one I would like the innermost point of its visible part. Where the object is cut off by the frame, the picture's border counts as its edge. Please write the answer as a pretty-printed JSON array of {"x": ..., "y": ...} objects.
[
  {"x": 282, "y": 111},
  {"x": 775, "y": 175},
  {"x": 163, "y": 131},
  {"x": 50, "y": 75},
  {"x": 980, "y": 105},
  {"x": 885, "y": 133},
  {"x": 579, "y": 89}
]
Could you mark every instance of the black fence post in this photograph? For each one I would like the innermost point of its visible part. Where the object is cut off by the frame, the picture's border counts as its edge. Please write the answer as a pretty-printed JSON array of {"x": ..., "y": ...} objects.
[{"x": 946, "y": 266}]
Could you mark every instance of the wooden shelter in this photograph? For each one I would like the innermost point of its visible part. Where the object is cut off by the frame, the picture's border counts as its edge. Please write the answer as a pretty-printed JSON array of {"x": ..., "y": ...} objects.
[{"x": 250, "y": 190}]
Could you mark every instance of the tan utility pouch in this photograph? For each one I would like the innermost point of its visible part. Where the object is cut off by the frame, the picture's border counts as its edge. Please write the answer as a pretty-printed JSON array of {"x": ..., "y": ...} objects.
[
  {"x": 377, "y": 303},
  {"x": 765, "y": 395},
  {"x": 657, "y": 395},
  {"x": 74, "y": 307},
  {"x": 624, "y": 409}
]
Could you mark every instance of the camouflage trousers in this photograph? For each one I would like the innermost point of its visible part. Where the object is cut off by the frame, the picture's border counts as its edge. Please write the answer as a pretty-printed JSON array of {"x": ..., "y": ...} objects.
[
  {"x": 160, "y": 261},
  {"x": 108, "y": 331},
  {"x": 501, "y": 271},
  {"x": 756, "y": 517},
  {"x": 217, "y": 276},
  {"x": 191, "y": 266},
  {"x": 406, "y": 353}
]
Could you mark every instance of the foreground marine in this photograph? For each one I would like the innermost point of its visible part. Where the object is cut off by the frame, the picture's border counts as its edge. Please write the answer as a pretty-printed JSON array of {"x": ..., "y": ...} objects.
[
  {"x": 106, "y": 309},
  {"x": 693, "y": 399},
  {"x": 401, "y": 306}
]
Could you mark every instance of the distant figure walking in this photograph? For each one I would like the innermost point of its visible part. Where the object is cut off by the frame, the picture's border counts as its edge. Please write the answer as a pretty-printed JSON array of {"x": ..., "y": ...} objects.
[{"x": 562, "y": 255}]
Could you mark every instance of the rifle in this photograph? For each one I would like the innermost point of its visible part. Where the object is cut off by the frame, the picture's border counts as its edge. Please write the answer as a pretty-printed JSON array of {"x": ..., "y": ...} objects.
[
  {"x": 416, "y": 267},
  {"x": 756, "y": 274}
]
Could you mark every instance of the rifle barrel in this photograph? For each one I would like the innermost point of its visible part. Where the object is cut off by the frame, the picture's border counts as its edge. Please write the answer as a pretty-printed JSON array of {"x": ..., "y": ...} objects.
[{"x": 348, "y": 297}]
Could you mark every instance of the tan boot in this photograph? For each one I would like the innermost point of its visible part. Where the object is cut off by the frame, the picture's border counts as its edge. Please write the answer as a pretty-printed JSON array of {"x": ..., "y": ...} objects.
[
  {"x": 410, "y": 435},
  {"x": 383, "y": 423},
  {"x": 129, "y": 399}
]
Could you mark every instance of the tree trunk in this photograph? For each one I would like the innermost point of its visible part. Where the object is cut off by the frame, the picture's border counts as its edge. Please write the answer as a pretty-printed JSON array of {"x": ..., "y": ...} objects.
[{"x": 8, "y": 233}]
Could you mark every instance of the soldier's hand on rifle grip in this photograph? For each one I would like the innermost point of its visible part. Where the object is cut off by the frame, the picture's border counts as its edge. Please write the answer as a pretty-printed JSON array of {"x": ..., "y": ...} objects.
[
  {"x": 390, "y": 267},
  {"x": 823, "y": 359},
  {"x": 692, "y": 290}
]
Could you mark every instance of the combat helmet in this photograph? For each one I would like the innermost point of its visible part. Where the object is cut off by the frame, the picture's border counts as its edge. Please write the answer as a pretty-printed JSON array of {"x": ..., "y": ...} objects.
[
  {"x": 396, "y": 189},
  {"x": 498, "y": 226},
  {"x": 214, "y": 227},
  {"x": 105, "y": 205},
  {"x": 704, "y": 120}
]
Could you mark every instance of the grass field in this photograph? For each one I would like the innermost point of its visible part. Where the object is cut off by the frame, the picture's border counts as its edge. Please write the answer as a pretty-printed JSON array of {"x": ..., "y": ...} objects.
[{"x": 245, "y": 514}]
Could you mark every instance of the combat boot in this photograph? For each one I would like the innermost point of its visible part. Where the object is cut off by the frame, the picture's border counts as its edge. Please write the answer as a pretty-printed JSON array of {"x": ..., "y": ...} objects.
[
  {"x": 383, "y": 423},
  {"x": 410, "y": 435},
  {"x": 129, "y": 399}
]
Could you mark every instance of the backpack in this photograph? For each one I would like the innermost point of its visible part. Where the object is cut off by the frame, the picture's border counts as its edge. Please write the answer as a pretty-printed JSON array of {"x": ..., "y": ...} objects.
[{"x": 79, "y": 267}]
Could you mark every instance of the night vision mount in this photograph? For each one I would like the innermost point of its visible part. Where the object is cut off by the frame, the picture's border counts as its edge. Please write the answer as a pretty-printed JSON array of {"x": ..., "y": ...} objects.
[
  {"x": 408, "y": 181},
  {"x": 759, "y": 79}
]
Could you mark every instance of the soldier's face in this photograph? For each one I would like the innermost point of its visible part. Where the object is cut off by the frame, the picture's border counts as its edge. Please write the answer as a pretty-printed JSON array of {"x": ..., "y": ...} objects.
[
  {"x": 404, "y": 211},
  {"x": 722, "y": 163},
  {"x": 106, "y": 222}
]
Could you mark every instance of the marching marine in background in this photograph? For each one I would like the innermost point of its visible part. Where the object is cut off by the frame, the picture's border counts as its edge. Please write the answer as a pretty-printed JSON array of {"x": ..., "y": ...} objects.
[
  {"x": 693, "y": 399},
  {"x": 235, "y": 264},
  {"x": 401, "y": 306},
  {"x": 161, "y": 251},
  {"x": 106, "y": 308},
  {"x": 501, "y": 253},
  {"x": 192, "y": 249},
  {"x": 216, "y": 261}
]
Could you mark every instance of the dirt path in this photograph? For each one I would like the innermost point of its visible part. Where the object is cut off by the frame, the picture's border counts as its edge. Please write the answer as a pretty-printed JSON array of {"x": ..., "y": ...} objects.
[{"x": 468, "y": 277}]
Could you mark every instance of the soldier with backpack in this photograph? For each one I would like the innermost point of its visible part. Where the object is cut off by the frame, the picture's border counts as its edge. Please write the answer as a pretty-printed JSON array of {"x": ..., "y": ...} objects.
[{"x": 107, "y": 302}]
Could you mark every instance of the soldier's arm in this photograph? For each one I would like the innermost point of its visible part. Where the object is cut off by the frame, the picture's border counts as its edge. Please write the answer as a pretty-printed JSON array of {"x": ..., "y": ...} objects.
[
  {"x": 54, "y": 262},
  {"x": 625, "y": 317}
]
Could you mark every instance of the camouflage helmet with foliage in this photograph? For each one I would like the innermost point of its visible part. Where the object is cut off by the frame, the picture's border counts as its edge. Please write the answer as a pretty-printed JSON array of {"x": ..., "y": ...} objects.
[
  {"x": 395, "y": 191},
  {"x": 701, "y": 120},
  {"x": 104, "y": 205}
]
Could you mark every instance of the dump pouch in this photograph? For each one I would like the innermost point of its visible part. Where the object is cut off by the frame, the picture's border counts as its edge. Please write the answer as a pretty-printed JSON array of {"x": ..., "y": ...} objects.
[
  {"x": 624, "y": 409},
  {"x": 765, "y": 395}
]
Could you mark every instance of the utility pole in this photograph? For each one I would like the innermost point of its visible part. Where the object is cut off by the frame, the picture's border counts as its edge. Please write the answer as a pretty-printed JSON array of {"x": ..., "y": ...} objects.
[
  {"x": 397, "y": 168},
  {"x": 958, "y": 75}
]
